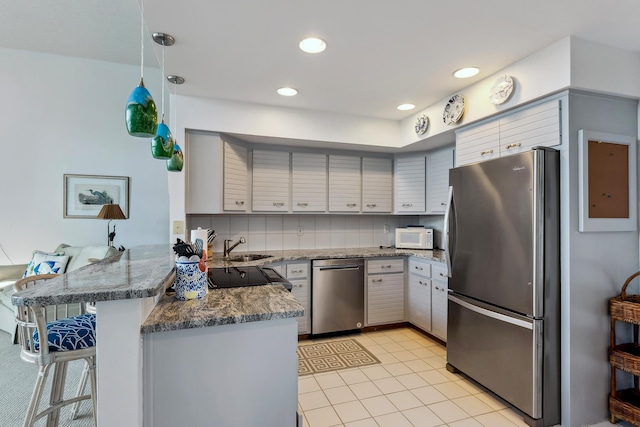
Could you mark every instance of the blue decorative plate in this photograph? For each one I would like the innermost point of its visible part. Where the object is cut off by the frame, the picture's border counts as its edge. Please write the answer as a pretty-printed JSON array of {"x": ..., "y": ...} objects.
[
  {"x": 422, "y": 123},
  {"x": 453, "y": 110}
]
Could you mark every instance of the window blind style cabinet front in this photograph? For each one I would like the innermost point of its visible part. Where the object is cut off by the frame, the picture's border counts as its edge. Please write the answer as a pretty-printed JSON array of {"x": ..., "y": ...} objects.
[
  {"x": 236, "y": 178},
  {"x": 377, "y": 185},
  {"x": 297, "y": 272},
  {"x": 410, "y": 180},
  {"x": 309, "y": 182},
  {"x": 385, "y": 291},
  {"x": 270, "y": 181},
  {"x": 438, "y": 164},
  {"x": 531, "y": 126},
  {"x": 344, "y": 183}
]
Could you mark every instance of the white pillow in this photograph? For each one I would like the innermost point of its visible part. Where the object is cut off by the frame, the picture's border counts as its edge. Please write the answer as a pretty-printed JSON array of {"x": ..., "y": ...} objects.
[{"x": 46, "y": 263}]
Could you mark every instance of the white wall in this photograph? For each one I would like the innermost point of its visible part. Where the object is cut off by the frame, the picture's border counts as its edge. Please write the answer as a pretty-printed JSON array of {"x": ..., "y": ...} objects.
[{"x": 65, "y": 115}]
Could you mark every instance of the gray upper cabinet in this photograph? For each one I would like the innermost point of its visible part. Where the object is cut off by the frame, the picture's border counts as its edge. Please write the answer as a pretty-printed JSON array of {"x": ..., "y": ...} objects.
[
  {"x": 377, "y": 185},
  {"x": 438, "y": 164},
  {"x": 236, "y": 177},
  {"x": 530, "y": 126},
  {"x": 309, "y": 182},
  {"x": 344, "y": 183},
  {"x": 203, "y": 173},
  {"x": 410, "y": 182},
  {"x": 271, "y": 181}
]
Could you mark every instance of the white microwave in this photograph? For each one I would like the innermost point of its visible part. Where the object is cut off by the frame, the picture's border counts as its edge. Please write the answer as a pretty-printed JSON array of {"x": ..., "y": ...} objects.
[{"x": 414, "y": 238}]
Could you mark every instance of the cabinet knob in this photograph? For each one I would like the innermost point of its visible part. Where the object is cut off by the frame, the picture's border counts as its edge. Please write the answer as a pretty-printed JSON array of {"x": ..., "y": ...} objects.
[
  {"x": 485, "y": 152},
  {"x": 516, "y": 145}
]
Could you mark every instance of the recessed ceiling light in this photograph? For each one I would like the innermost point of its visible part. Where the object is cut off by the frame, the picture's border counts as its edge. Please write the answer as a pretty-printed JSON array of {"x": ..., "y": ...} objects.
[
  {"x": 287, "y": 91},
  {"x": 405, "y": 107},
  {"x": 313, "y": 45},
  {"x": 464, "y": 73}
]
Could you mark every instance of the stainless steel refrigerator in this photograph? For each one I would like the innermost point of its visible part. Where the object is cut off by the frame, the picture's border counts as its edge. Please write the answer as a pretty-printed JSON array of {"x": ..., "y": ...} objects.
[{"x": 502, "y": 246}]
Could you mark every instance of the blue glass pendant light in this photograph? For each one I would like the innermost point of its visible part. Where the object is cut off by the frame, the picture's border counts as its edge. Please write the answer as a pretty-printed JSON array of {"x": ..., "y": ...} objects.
[
  {"x": 176, "y": 162},
  {"x": 162, "y": 142},
  {"x": 141, "y": 115}
]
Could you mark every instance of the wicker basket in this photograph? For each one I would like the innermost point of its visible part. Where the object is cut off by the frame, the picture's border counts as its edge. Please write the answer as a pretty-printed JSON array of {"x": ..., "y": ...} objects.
[
  {"x": 626, "y": 307},
  {"x": 622, "y": 407},
  {"x": 626, "y": 357}
]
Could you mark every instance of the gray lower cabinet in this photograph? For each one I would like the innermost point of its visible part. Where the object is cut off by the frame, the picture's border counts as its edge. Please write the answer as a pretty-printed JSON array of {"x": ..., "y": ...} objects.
[
  {"x": 419, "y": 294},
  {"x": 385, "y": 291},
  {"x": 298, "y": 273},
  {"x": 439, "y": 290}
]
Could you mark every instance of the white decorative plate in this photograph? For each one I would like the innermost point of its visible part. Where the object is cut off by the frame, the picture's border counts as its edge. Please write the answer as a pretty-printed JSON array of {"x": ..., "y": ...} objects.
[
  {"x": 501, "y": 90},
  {"x": 453, "y": 110},
  {"x": 422, "y": 123}
]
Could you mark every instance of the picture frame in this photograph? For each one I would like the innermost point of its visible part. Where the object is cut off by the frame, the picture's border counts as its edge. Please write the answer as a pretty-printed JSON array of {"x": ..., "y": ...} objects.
[
  {"x": 84, "y": 195},
  {"x": 607, "y": 195}
]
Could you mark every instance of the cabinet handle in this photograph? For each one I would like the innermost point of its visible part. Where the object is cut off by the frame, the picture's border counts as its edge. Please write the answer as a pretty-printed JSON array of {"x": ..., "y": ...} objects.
[
  {"x": 296, "y": 271},
  {"x": 422, "y": 283},
  {"x": 442, "y": 275},
  {"x": 485, "y": 152},
  {"x": 407, "y": 205},
  {"x": 443, "y": 204},
  {"x": 352, "y": 205},
  {"x": 516, "y": 145},
  {"x": 418, "y": 268},
  {"x": 376, "y": 280},
  {"x": 371, "y": 205},
  {"x": 437, "y": 288},
  {"x": 297, "y": 286},
  {"x": 278, "y": 204},
  {"x": 385, "y": 266},
  {"x": 239, "y": 202},
  {"x": 303, "y": 204}
]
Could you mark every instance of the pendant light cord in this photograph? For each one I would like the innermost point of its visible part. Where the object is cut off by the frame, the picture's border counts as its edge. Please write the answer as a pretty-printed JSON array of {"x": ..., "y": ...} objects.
[
  {"x": 141, "y": 39},
  {"x": 163, "y": 82}
]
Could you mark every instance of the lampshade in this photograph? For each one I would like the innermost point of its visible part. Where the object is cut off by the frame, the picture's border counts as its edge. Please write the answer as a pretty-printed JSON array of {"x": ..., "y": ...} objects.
[
  {"x": 162, "y": 143},
  {"x": 141, "y": 115},
  {"x": 176, "y": 162},
  {"x": 111, "y": 211}
]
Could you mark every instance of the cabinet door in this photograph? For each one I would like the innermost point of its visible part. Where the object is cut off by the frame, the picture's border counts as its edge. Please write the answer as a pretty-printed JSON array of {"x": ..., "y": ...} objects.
[
  {"x": 419, "y": 302},
  {"x": 438, "y": 165},
  {"x": 410, "y": 184},
  {"x": 344, "y": 183},
  {"x": 478, "y": 144},
  {"x": 385, "y": 298},
  {"x": 439, "y": 309},
  {"x": 420, "y": 267},
  {"x": 203, "y": 173},
  {"x": 377, "y": 184},
  {"x": 235, "y": 177},
  {"x": 309, "y": 187},
  {"x": 535, "y": 126},
  {"x": 300, "y": 291},
  {"x": 270, "y": 181}
]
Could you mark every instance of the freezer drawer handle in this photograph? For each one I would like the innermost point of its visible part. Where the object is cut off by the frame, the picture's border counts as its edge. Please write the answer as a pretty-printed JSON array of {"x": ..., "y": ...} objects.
[
  {"x": 339, "y": 267},
  {"x": 492, "y": 314}
]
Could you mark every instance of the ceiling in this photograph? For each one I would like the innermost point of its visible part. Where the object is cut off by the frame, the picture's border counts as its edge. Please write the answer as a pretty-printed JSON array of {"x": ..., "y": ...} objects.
[{"x": 380, "y": 53}]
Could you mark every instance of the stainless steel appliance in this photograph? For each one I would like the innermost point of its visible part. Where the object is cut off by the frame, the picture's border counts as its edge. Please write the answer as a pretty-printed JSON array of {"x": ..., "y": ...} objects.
[
  {"x": 236, "y": 277},
  {"x": 337, "y": 295},
  {"x": 416, "y": 237},
  {"x": 502, "y": 246}
]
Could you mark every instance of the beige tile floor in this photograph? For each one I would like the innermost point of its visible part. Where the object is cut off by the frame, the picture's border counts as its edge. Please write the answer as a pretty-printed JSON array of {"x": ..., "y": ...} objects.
[{"x": 409, "y": 388}]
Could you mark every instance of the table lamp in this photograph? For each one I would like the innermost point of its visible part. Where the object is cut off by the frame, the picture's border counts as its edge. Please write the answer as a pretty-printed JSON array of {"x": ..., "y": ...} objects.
[{"x": 111, "y": 212}]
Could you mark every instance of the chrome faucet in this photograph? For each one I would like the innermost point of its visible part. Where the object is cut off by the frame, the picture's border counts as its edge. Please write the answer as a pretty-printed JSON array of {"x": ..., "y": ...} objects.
[{"x": 228, "y": 249}]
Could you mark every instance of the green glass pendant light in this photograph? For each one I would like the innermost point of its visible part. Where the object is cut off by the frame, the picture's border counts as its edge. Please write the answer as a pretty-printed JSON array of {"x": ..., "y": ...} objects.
[
  {"x": 141, "y": 115},
  {"x": 162, "y": 142},
  {"x": 176, "y": 162}
]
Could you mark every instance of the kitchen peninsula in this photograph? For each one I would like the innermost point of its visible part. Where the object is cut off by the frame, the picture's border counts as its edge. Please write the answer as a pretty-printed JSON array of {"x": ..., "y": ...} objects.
[{"x": 169, "y": 362}]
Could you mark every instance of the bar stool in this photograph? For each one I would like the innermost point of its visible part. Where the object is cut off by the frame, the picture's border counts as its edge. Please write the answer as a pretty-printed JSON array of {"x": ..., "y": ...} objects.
[
  {"x": 90, "y": 307},
  {"x": 68, "y": 338}
]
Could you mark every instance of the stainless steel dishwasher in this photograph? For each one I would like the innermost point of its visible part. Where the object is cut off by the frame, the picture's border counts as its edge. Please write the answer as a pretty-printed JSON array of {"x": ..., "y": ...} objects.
[{"x": 337, "y": 295}]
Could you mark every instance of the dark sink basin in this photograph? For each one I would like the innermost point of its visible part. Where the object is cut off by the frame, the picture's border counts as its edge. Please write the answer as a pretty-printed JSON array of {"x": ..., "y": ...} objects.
[{"x": 248, "y": 257}]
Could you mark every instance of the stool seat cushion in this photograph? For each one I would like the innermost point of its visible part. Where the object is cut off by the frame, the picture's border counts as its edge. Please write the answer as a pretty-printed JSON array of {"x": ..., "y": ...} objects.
[{"x": 71, "y": 333}]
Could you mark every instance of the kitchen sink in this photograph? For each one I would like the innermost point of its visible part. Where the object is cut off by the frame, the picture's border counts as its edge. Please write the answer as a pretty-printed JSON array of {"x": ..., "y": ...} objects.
[{"x": 248, "y": 257}]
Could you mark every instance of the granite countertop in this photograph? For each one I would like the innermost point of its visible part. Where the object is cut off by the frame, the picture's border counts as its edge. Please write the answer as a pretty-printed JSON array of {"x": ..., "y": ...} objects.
[
  {"x": 139, "y": 272},
  {"x": 308, "y": 254},
  {"x": 223, "y": 307}
]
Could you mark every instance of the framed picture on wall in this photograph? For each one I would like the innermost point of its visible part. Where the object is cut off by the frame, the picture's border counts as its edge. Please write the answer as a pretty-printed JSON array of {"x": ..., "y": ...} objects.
[
  {"x": 607, "y": 182},
  {"x": 84, "y": 195}
]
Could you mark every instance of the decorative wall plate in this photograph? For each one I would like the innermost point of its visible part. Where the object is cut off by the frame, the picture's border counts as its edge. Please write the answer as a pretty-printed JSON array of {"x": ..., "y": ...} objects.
[
  {"x": 453, "y": 110},
  {"x": 422, "y": 123},
  {"x": 501, "y": 90}
]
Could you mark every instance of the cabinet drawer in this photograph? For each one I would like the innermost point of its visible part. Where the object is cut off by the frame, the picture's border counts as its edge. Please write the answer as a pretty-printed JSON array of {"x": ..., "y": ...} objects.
[
  {"x": 297, "y": 270},
  {"x": 385, "y": 266},
  {"x": 439, "y": 272},
  {"x": 422, "y": 268}
]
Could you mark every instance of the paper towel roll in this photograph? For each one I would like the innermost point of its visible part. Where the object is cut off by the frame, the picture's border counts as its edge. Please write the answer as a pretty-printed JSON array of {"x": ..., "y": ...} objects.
[{"x": 202, "y": 235}]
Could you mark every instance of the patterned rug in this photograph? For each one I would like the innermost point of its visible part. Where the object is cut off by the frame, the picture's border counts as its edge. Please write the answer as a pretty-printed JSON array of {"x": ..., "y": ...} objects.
[{"x": 332, "y": 356}]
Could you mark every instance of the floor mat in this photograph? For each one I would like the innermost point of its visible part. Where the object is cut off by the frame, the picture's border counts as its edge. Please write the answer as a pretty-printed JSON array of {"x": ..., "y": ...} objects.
[{"x": 332, "y": 355}]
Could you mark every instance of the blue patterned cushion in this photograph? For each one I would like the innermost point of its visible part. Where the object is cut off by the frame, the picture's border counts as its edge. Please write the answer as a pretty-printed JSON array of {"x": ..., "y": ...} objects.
[{"x": 72, "y": 333}]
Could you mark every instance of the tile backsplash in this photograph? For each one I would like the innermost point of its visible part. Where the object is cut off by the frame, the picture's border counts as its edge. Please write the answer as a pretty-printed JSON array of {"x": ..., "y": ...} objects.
[{"x": 284, "y": 232}]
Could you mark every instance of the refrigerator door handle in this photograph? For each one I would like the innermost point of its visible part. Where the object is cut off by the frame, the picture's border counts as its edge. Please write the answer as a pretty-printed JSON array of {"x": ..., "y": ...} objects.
[
  {"x": 490, "y": 313},
  {"x": 447, "y": 239}
]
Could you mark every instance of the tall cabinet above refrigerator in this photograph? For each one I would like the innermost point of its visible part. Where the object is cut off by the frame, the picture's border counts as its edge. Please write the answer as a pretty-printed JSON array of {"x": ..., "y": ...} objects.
[{"x": 502, "y": 244}]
